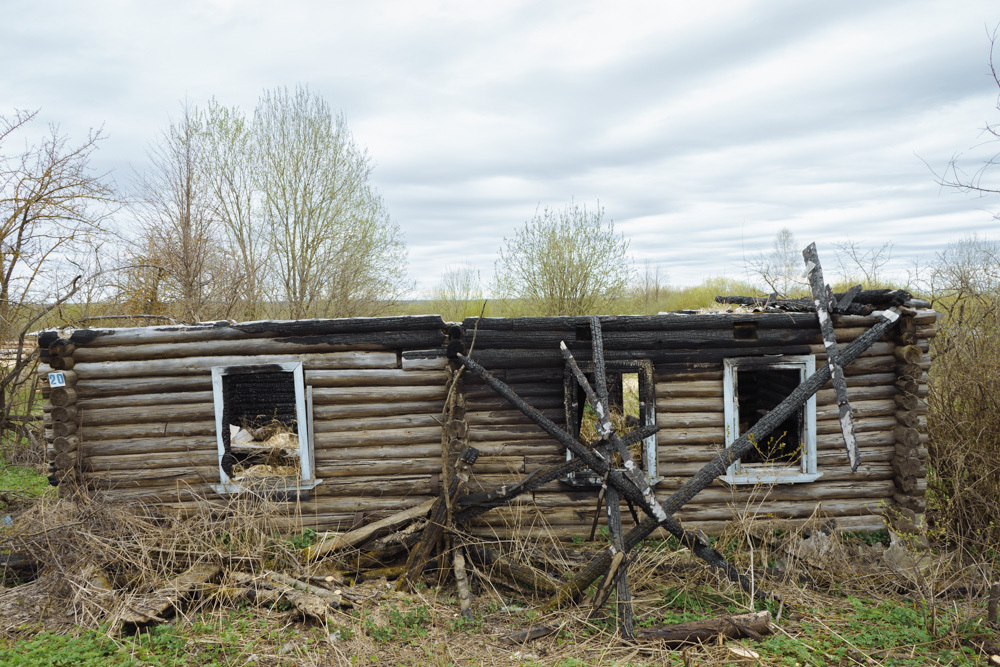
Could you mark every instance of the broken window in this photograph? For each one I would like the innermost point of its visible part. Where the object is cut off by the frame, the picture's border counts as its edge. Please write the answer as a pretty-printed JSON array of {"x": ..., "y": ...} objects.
[
  {"x": 632, "y": 396},
  {"x": 262, "y": 428},
  {"x": 753, "y": 387}
]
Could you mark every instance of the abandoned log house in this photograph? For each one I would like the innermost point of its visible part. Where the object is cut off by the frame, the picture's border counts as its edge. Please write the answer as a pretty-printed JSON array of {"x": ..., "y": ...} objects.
[{"x": 342, "y": 419}]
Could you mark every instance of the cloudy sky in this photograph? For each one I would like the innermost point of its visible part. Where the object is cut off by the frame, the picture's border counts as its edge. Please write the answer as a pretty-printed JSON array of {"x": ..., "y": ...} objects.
[{"x": 701, "y": 131}]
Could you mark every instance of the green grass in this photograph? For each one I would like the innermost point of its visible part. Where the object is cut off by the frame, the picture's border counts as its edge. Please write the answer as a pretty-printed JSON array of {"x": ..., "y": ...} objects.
[{"x": 24, "y": 481}]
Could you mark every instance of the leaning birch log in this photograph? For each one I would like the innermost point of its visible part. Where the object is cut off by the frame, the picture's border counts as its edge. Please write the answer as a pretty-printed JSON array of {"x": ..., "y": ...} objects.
[
  {"x": 361, "y": 535},
  {"x": 820, "y": 298},
  {"x": 721, "y": 463}
]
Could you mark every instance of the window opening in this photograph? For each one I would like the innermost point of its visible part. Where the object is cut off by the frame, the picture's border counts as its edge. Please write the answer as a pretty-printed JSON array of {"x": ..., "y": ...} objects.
[
  {"x": 632, "y": 404},
  {"x": 753, "y": 387},
  {"x": 262, "y": 427}
]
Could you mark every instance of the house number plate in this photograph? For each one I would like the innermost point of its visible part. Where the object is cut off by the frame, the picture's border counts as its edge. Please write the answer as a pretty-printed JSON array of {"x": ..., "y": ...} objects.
[{"x": 57, "y": 380}]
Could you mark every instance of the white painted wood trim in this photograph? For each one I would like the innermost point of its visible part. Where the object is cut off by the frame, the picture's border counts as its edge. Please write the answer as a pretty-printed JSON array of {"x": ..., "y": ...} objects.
[{"x": 736, "y": 474}]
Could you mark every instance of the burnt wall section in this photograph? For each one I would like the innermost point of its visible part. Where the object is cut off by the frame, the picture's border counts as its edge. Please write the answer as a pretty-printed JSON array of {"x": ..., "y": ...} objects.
[
  {"x": 147, "y": 423},
  {"x": 687, "y": 353}
]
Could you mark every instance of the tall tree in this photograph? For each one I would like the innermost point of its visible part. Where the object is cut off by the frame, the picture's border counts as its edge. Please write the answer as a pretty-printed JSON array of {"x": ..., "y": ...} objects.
[
  {"x": 180, "y": 231},
  {"x": 564, "y": 262},
  {"x": 335, "y": 249}
]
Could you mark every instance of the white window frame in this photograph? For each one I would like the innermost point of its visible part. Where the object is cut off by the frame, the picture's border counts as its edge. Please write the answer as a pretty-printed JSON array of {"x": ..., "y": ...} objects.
[
  {"x": 642, "y": 367},
  {"x": 805, "y": 470},
  {"x": 303, "y": 430}
]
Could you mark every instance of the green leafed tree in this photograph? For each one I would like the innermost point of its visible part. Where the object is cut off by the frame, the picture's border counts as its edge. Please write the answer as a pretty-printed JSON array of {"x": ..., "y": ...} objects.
[{"x": 566, "y": 261}]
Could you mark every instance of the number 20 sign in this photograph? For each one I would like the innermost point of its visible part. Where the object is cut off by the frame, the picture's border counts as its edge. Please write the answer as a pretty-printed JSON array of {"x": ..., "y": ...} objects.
[{"x": 57, "y": 380}]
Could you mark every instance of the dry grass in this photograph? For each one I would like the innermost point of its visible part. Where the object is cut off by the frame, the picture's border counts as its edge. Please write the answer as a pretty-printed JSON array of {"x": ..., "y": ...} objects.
[{"x": 829, "y": 590}]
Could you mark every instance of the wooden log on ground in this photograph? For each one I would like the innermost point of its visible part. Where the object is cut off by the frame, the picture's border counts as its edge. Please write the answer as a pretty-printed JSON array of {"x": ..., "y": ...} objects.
[
  {"x": 361, "y": 535},
  {"x": 753, "y": 626},
  {"x": 522, "y": 577}
]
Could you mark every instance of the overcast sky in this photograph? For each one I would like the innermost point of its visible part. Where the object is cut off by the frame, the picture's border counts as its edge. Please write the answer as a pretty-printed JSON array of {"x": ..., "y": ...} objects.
[{"x": 701, "y": 131}]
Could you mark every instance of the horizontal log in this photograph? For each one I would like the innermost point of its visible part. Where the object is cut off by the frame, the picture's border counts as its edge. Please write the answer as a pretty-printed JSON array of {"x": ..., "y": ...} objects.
[
  {"x": 199, "y": 365},
  {"x": 714, "y": 404},
  {"x": 907, "y": 436},
  {"x": 204, "y": 458},
  {"x": 389, "y": 340},
  {"x": 65, "y": 461},
  {"x": 61, "y": 363},
  {"x": 700, "y": 388},
  {"x": 879, "y": 391},
  {"x": 665, "y": 375},
  {"x": 61, "y": 429},
  {"x": 403, "y": 440},
  {"x": 740, "y": 495},
  {"x": 378, "y": 451},
  {"x": 348, "y": 395},
  {"x": 64, "y": 413},
  {"x": 424, "y": 362},
  {"x": 65, "y": 444},
  {"x": 147, "y": 446},
  {"x": 374, "y": 377},
  {"x": 337, "y": 412},
  {"x": 909, "y": 354},
  {"x": 135, "y": 477},
  {"x": 376, "y": 423},
  {"x": 511, "y": 432},
  {"x": 555, "y": 399},
  {"x": 102, "y": 388},
  {"x": 62, "y": 396},
  {"x": 141, "y": 400},
  {"x": 429, "y": 463},
  {"x": 492, "y": 339},
  {"x": 664, "y": 322},
  {"x": 861, "y": 409},
  {"x": 62, "y": 347},
  {"x": 867, "y": 424},
  {"x": 683, "y": 420},
  {"x": 497, "y": 448},
  {"x": 510, "y": 417},
  {"x": 909, "y": 402},
  {"x": 493, "y": 359},
  {"x": 173, "y": 431},
  {"x": 222, "y": 330},
  {"x": 180, "y": 412}
]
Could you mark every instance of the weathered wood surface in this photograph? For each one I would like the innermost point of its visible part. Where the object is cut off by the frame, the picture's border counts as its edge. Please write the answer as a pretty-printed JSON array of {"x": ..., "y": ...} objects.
[
  {"x": 358, "y": 537},
  {"x": 568, "y": 326},
  {"x": 260, "y": 346},
  {"x": 200, "y": 365},
  {"x": 222, "y": 330}
]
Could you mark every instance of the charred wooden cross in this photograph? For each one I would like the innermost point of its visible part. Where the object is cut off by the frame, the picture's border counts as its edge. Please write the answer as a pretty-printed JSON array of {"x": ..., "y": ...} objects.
[{"x": 632, "y": 484}]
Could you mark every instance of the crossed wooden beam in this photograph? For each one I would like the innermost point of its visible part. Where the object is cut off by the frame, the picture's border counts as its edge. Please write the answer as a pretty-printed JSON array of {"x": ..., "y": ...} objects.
[{"x": 630, "y": 482}]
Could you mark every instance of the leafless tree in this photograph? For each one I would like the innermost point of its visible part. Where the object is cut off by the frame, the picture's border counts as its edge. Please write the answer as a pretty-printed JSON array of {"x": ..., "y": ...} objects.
[
  {"x": 780, "y": 268},
  {"x": 52, "y": 207},
  {"x": 181, "y": 236},
  {"x": 459, "y": 294},
  {"x": 864, "y": 265},
  {"x": 336, "y": 252}
]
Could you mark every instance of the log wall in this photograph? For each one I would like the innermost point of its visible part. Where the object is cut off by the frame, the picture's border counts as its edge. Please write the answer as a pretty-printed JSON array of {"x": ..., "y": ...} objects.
[
  {"x": 145, "y": 419},
  {"x": 687, "y": 352},
  {"x": 136, "y": 419}
]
